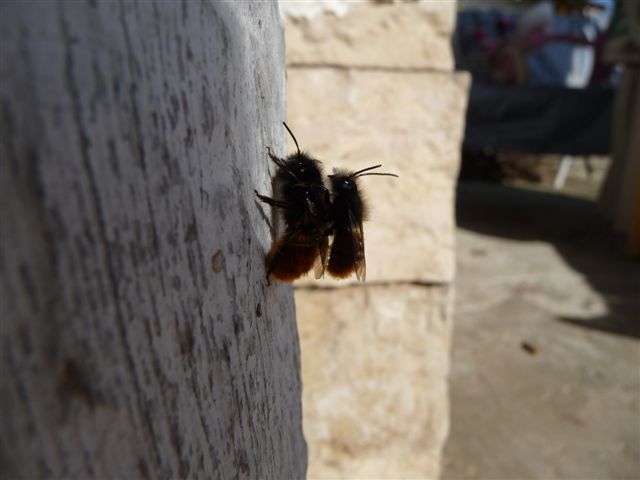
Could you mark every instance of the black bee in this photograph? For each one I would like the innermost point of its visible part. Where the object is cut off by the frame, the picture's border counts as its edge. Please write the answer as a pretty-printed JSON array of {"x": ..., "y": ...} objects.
[
  {"x": 349, "y": 210},
  {"x": 305, "y": 203}
]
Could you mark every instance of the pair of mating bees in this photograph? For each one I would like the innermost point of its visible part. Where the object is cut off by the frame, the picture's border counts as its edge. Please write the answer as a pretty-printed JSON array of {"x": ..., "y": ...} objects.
[{"x": 312, "y": 214}]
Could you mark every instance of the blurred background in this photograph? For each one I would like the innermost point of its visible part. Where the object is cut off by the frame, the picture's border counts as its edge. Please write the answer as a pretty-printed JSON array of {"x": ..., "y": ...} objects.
[{"x": 513, "y": 126}]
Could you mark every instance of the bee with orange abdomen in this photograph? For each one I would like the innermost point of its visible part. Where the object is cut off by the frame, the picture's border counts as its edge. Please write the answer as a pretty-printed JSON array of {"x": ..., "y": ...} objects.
[
  {"x": 349, "y": 210},
  {"x": 305, "y": 204}
]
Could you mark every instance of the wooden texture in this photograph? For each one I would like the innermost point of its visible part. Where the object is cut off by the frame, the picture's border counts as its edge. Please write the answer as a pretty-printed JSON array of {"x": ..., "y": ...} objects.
[{"x": 138, "y": 336}]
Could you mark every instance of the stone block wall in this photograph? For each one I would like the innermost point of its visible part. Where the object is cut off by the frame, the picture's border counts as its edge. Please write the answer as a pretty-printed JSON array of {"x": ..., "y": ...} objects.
[
  {"x": 371, "y": 83},
  {"x": 363, "y": 34}
]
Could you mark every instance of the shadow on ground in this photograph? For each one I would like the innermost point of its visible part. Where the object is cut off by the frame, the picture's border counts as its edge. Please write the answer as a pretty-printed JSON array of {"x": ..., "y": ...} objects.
[
  {"x": 580, "y": 235},
  {"x": 544, "y": 376}
]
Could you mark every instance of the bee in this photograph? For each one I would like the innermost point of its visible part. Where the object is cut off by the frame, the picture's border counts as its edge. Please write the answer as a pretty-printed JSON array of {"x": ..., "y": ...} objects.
[
  {"x": 305, "y": 203},
  {"x": 348, "y": 210}
]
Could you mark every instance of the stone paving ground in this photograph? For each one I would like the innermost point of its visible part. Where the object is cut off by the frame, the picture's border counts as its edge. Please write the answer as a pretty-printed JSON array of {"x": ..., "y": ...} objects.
[{"x": 545, "y": 380}]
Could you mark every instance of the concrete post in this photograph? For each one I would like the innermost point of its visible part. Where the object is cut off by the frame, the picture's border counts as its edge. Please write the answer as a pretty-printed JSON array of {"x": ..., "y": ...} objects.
[{"x": 138, "y": 336}]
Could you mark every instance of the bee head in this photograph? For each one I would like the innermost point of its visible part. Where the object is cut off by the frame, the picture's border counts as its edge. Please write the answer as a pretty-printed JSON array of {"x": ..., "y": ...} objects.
[{"x": 343, "y": 181}]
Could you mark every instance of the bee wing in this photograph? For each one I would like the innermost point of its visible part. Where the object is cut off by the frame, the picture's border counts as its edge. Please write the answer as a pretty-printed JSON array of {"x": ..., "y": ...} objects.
[
  {"x": 357, "y": 236},
  {"x": 320, "y": 263}
]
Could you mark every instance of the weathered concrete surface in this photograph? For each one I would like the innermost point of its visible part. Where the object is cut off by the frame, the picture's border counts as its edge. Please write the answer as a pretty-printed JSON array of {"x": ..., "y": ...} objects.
[
  {"x": 364, "y": 34},
  {"x": 542, "y": 269},
  {"x": 412, "y": 123},
  {"x": 374, "y": 395},
  {"x": 138, "y": 336}
]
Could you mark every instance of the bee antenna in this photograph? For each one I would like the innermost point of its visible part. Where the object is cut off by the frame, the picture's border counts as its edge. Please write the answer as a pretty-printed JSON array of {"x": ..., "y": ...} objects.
[
  {"x": 292, "y": 135},
  {"x": 360, "y": 173},
  {"x": 381, "y": 174},
  {"x": 355, "y": 174}
]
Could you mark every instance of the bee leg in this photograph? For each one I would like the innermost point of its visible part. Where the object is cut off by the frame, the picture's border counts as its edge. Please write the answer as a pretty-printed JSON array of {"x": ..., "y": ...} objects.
[
  {"x": 271, "y": 201},
  {"x": 281, "y": 163},
  {"x": 278, "y": 161}
]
